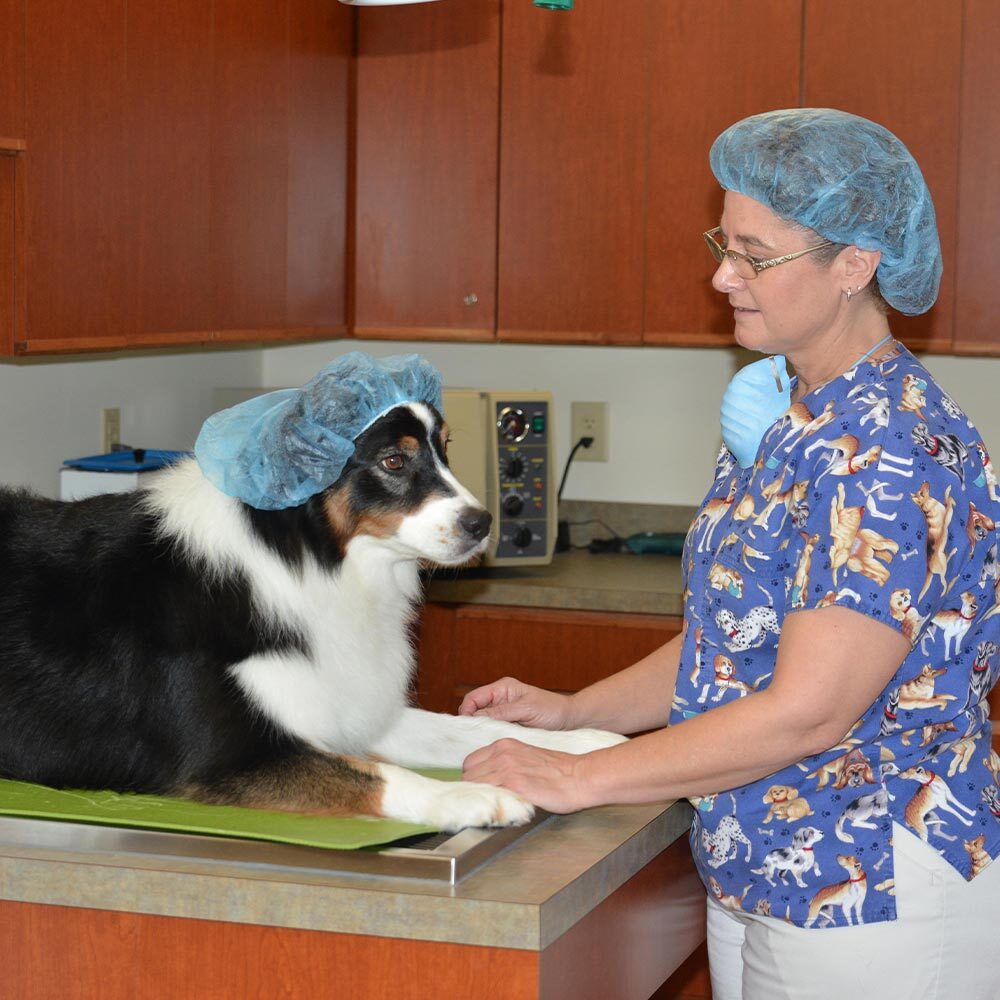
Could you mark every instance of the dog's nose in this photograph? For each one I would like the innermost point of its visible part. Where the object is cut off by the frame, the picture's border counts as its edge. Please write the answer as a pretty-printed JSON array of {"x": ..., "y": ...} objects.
[{"x": 476, "y": 522}]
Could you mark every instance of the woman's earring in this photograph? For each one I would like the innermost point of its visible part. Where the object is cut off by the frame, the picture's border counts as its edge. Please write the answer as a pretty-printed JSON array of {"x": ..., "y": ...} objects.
[{"x": 849, "y": 294}]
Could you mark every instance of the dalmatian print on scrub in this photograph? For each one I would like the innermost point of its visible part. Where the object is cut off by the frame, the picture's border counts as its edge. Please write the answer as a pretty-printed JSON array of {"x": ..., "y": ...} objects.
[{"x": 875, "y": 492}]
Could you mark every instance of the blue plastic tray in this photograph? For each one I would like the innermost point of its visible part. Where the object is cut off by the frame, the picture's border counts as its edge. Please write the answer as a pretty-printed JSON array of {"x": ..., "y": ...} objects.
[{"x": 130, "y": 460}]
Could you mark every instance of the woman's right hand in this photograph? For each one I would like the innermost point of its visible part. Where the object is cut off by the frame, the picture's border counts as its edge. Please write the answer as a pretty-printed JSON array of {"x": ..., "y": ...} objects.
[{"x": 510, "y": 700}]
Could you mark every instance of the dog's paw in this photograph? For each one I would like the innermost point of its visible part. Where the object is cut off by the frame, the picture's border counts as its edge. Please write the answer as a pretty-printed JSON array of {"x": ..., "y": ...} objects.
[
  {"x": 449, "y": 805},
  {"x": 581, "y": 740},
  {"x": 467, "y": 803}
]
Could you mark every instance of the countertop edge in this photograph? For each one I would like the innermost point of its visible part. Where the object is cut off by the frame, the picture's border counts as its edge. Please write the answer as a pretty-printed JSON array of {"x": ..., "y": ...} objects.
[{"x": 596, "y": 852}]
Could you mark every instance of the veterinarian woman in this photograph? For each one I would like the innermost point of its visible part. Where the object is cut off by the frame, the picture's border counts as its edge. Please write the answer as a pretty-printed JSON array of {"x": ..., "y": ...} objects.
[{"x": 824, "y": 706}]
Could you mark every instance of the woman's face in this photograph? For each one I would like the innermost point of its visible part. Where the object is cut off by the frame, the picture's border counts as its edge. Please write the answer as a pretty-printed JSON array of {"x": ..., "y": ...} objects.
[{"x": 784, "y": 307}]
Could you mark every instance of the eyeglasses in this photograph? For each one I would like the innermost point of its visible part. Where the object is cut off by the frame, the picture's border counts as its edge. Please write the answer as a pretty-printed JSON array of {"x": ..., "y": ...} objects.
[{"x": 748, "y": 267}]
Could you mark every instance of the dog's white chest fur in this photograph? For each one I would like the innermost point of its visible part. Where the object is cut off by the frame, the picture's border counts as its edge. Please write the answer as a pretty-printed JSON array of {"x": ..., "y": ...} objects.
[{"x": 352, "y": 684}]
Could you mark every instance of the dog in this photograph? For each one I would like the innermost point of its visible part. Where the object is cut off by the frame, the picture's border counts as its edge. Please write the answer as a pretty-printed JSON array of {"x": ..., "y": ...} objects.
[
  {"x": 852, "y": 769},
  {"x": 751, "y": 630},
  {"x": 933, "y": 794},
  {"x": 918, "y": 692},
  {"x": 842, "y": 455},
  {"x": 953, "y": 623},
  {"x": 981, "y": 681},
  {"x": 979, "y": 526},
  {"x": 864, "y": 808},
  {"x": 857, "y": 548},
  {"x": 948, "y": 450},
  {"x": 797, "y": 859},
  {"x": 938, "y": 516},
  {"x": 725, "y": 578},
  {"x": 914, "y": 397},
  {"x": 178, "y": 642},
  {"x": 903, "y": 611},
  {"x": 723, "y": 843},
  {"x": 848, "y": 895},
  {"x": 785, "y": 804}
]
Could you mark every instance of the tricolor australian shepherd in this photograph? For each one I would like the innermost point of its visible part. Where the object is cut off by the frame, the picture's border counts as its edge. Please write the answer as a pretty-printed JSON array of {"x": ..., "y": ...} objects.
[{"x": 178, "y": 642}]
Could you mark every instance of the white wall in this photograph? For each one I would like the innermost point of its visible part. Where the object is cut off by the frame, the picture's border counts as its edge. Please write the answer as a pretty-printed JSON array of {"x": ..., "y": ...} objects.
[
  {"x": 663, "y": 403},
  {"x": 51, "y": 410}
]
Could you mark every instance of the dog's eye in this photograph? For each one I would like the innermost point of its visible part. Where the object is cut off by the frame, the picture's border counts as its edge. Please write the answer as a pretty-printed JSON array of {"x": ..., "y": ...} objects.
[{"x": 393, "y": 463}]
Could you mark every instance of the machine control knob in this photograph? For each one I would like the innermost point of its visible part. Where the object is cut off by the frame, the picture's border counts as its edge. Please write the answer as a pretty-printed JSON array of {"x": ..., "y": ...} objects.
[
  {"x": 512, "y": 504},
  {"x": 522, "y": 537},
  {"x": 514, "y": 468}
]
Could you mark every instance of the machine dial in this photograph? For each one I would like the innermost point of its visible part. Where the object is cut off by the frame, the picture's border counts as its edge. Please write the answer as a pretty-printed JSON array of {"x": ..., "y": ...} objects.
[
  {"x": 512, "y": 504},
  {"x": 514, "y": 468},
  {"x": 522, "y": 537}
]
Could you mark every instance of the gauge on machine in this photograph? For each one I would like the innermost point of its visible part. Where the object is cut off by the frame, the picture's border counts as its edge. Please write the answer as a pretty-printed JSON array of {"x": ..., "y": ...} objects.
[{"x": 512, "y": 424}]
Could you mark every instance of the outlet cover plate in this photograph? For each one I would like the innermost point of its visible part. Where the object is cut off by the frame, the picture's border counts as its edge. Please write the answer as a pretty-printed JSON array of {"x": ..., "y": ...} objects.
[{"x": 590, "y": 420}]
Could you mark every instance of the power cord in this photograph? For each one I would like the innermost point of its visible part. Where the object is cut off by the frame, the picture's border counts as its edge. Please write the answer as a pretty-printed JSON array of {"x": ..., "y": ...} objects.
[
  {"x": 584, "y": 442},
  {"x": 562, "y": 532}
]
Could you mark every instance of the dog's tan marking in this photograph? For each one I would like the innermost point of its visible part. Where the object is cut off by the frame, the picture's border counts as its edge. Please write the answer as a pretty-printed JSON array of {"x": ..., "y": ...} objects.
[
  {"x": 379, "y": 525},
  {"x": 311, "y": 782}
]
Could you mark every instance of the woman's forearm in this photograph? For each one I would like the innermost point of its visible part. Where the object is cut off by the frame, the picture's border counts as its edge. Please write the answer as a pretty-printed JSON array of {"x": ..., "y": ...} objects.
[
  {"x": 634, "y": 699},
  {"x": 732, "y": 745}
]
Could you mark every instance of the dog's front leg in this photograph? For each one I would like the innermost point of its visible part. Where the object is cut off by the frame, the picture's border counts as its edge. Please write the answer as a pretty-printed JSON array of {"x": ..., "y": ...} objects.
[{"x": 430, "y": 739}]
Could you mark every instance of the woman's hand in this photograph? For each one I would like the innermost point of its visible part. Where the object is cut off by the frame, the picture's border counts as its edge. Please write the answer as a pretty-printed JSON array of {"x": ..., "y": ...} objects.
[
  {"x": 546, "y": 778},
  {"x": 512, "y": 701}
]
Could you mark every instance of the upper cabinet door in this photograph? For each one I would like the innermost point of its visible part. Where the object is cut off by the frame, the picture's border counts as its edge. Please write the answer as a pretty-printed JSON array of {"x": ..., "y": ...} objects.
[
  {"x": 899, "y": 63},
  {"x": 977, "y": 285},
  {"x": 77, "y": 225},
  {"x": 426, "y": 171},
  {"x": 572, "y": 171},
  {"x": 11, "y": 73},
  {"x": 712, "y": 65},
  {"x": 184, "y": 171}
]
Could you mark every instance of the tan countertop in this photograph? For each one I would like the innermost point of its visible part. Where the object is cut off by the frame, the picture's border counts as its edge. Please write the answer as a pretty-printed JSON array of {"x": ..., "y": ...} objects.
[
  {"x": 525, "y": 898},
  {"x": 578, "y": 580}
]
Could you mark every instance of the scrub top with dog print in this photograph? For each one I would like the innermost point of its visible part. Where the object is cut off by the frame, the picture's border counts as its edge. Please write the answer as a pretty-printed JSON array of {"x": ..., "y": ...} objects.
[{"x": 873, "y": 492}]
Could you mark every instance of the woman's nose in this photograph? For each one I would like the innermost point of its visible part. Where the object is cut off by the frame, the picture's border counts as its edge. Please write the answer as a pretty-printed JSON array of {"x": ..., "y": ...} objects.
[{"x": 725, "y": 278}]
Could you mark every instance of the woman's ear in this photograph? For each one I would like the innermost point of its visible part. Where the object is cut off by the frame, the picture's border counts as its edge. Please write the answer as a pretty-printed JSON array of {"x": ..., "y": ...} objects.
[{"x": 859, "y": 267}]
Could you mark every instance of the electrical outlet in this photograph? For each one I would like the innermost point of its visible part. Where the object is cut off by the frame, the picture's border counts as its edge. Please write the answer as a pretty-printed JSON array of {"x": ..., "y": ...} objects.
[
  {"x": 590, "y": 420},
  {"x": 111, "y": 428}
]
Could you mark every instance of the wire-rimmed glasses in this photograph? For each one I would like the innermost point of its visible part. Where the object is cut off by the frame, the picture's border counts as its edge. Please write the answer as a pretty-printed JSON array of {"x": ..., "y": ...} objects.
[{"x": 748, "y": 267}]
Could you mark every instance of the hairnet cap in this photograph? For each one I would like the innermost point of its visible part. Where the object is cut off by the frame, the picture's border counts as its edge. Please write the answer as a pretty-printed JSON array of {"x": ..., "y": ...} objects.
[
  {"x": 848, "y": 179},
  {"x": 278, "y": 450}
]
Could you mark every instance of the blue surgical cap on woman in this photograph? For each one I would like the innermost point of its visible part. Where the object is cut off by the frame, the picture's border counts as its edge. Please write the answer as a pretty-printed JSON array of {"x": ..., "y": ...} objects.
[
  {"x": 280, "y": 449},
  {"x": 849, "y": 180}
]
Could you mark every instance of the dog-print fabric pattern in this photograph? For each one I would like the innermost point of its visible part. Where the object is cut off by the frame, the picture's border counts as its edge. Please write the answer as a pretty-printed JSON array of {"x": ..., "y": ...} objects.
[{"x": 876, "y": 493}]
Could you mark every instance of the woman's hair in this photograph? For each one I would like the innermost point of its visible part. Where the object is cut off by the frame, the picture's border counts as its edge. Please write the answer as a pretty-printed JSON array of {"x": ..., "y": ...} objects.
[{"x": 848, "y": 180}]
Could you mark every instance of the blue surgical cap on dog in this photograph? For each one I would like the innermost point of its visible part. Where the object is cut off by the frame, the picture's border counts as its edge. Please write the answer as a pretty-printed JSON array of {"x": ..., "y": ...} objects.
[
  {"x": 849, "y": 180},
  {"x": 278, "y": 450}
]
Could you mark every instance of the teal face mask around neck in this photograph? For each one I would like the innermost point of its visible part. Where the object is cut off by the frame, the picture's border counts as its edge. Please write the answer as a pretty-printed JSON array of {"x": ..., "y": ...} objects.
[{"x": 754, "y": 399}]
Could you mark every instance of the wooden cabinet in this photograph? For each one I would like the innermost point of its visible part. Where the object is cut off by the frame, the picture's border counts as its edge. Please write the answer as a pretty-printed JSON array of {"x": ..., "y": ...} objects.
[
  {"x": 603, "y": 187},
  {"x": 712, "y": 64},
  {"x": 184, "y": 171},
  {"x": 464, "y": 645},
  {"x": 573, "y": 172},
  {"x": 899, "y": 63},
  {"x": 7, "y": 247},
  {"x": 977, "y": 290},
  {"x": 425, "y": 216}
]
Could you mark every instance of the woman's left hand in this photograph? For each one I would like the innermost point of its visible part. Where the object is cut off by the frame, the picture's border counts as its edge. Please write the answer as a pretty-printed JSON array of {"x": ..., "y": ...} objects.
[{"x": 546, "y": 778}]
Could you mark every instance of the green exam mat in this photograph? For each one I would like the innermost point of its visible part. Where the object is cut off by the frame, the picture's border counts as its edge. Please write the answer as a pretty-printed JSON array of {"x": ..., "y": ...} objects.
[{"x": 157, "y": 812}]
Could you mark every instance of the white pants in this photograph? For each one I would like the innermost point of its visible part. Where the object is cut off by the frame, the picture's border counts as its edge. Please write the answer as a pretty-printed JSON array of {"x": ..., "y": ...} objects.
[{"x": 944, "y": 942}]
